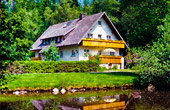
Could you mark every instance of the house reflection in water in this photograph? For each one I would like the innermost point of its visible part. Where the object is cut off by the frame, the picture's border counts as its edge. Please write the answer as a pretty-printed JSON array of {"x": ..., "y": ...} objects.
[
  {"x": 39, "y": 104},
  {"x": 115, "y": 102},
  {"x": 108, "y": 106}
]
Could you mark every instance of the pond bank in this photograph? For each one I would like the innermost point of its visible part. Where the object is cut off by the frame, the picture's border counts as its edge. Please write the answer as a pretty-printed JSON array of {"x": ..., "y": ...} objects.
[{"x": 66, "y": 90}]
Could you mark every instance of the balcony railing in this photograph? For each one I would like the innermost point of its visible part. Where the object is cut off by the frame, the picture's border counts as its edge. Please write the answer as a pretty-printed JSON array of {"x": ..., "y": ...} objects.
[
  {"x": 110, "y": 59},
  {"x": 103, "y": 43}
]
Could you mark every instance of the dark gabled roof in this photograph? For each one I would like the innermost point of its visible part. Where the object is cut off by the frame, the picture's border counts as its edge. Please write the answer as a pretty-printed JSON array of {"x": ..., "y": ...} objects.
[{"x": 74, "y": 30}]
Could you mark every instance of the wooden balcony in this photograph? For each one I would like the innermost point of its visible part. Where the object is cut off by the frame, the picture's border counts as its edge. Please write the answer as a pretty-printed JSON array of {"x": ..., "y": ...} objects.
[
  {"x": 103, "y": 43},
  {"x": 110, "y": 59},
  {"x": 35, "y": 58}
]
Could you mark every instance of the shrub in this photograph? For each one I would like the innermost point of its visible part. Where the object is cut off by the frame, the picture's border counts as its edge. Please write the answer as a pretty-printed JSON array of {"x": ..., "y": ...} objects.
[
  {"x": 132, "y": 57},
  {"x": 114, "y": 67},
  {"x": 154, "y": 64},
  {"x": 51, "y": 53},
  {"x": 53, "y": 66}
]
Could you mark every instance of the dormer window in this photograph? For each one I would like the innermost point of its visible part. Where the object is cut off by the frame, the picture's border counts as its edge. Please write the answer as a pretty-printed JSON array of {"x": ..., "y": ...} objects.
[
  {"x": 51, "y": 40},
  {"x": 61, "y": 39},
  {"x": 58, "y": 39},
  {"x": 55, "y": 39},
  {"x": 43, "y": 42},
  {"x": 108, "y": 37},
  {"x": 99, "y": 36},
  {"x": 90, "y": 35},
  {"x": 47, "y": 41},
  {"x": 99, "y": 23}
]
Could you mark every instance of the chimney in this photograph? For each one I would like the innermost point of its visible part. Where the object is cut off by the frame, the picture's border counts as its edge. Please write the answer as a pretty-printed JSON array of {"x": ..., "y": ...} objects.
[{"x": 82, "y": 15}]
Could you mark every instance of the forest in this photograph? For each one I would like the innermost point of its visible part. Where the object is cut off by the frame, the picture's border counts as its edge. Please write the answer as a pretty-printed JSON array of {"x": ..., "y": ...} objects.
[{"x": 144, "y": 24}]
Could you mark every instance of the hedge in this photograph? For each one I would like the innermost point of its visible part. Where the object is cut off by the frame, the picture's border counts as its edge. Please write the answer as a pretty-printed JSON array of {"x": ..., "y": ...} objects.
[{"x": 52, "y": 66}]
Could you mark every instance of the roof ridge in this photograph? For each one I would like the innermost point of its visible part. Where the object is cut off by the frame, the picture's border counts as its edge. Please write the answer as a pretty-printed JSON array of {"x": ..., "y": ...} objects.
[{"x": 77, "y": 18}]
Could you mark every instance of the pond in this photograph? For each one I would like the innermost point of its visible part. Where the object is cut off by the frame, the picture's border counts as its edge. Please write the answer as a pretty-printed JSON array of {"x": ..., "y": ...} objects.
[{"x": 96, "y": 100}]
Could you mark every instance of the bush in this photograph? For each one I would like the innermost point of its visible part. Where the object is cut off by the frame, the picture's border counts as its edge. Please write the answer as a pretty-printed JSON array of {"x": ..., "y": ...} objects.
[
  {"x": 53, "y": 66},
  {"x": 114, "y": 67},
  {"x": 154, "y": 64}
]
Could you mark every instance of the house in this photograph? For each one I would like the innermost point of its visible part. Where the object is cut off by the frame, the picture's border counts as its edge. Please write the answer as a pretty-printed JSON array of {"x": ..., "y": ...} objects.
[{"x": 94, "y": 34}]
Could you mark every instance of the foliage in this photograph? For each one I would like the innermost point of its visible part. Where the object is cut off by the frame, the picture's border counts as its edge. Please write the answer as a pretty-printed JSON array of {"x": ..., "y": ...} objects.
[
  {"x": 139, "y": 20},
  {"x": 52, "y": 66},
  {"x": 3, "y": 81},
  {"x": 154, "y": 65},
  {"x": 114, "y": 67},
  {"x": 51, "y": 53},
  {"x": 131, "y": 58},
  {"x": 111, "y": 7},
  {"x": 63, "y": 12}
]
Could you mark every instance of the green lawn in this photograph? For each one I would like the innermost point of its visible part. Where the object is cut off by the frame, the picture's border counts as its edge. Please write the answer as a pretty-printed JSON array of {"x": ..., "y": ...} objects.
[{"x": 67, "y": 80}]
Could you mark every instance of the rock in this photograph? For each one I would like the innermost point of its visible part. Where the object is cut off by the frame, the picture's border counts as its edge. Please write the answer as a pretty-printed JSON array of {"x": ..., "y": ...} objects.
[
  {"x": 63, "y": 91},
  {"x": 73, "y": 90},
  {"x": 23, "y": 92},
  {"x": 151, "y": 88},
  {"x": 82, "y": 89},
  {"x": 136, "y": 95},
  {"x": 16, "y": 92},
  {"x": 55, "y": 91}
]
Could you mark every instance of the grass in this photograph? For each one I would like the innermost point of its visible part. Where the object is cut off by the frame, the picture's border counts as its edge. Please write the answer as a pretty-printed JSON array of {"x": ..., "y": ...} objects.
[{"x": 67, "y": 80}]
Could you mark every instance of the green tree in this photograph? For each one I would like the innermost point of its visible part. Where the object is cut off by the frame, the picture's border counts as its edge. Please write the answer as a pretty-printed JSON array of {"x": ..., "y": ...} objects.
[
  {"x": 139, "y": 20},
  {"x": 51, "y": 53},
  {"x": 63, "y": 12},
  {"x": 154, "y": 64},
  {"x": 111, "y": 7}
]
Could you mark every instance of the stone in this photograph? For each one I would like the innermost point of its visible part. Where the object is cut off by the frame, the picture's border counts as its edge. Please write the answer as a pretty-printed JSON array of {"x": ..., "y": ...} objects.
[
  {"x": 55, "y": 91},
  {"x": 73, "y": 90},
  {"x": 151, "y": 88},
  {"x": 16, "y": 92},
  {"x": 23, "y": 92},
  {"x": 63, "y": 91}
]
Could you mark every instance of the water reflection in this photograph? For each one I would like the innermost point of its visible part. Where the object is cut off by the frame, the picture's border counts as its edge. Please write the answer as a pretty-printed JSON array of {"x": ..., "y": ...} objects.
[
  {"x": 104, "y": 100},
  {"x": 39, "y": 104}
]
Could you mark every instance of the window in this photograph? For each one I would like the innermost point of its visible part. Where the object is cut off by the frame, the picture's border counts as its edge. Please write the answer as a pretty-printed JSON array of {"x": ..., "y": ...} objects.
[
  {"x": 51, "y": 40},
  {"x": 61, "y": 54},
  {"x": 112, "y": 53},
  {"x": 73, "y": 54},
  {"x": 55, "y": 39},
  {"x": 47, "y": 41},
  {"x": 86, "y": 52},
  {"x": 90, "y": 35},
  {"x": 99, "y": 36},
  {"x": 43, "y": 42},
  {"x": 108, "y": 37},
  {"x": 99, "y": 52},
  {"x": 61, "y": 39},
  {"x": 58, "y": 39},
  {"x": 99, "y": 23}
]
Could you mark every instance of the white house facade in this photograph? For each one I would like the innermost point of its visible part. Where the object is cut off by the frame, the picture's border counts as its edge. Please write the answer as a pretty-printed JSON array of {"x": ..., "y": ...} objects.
[{"x": 83, "y": 38}]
